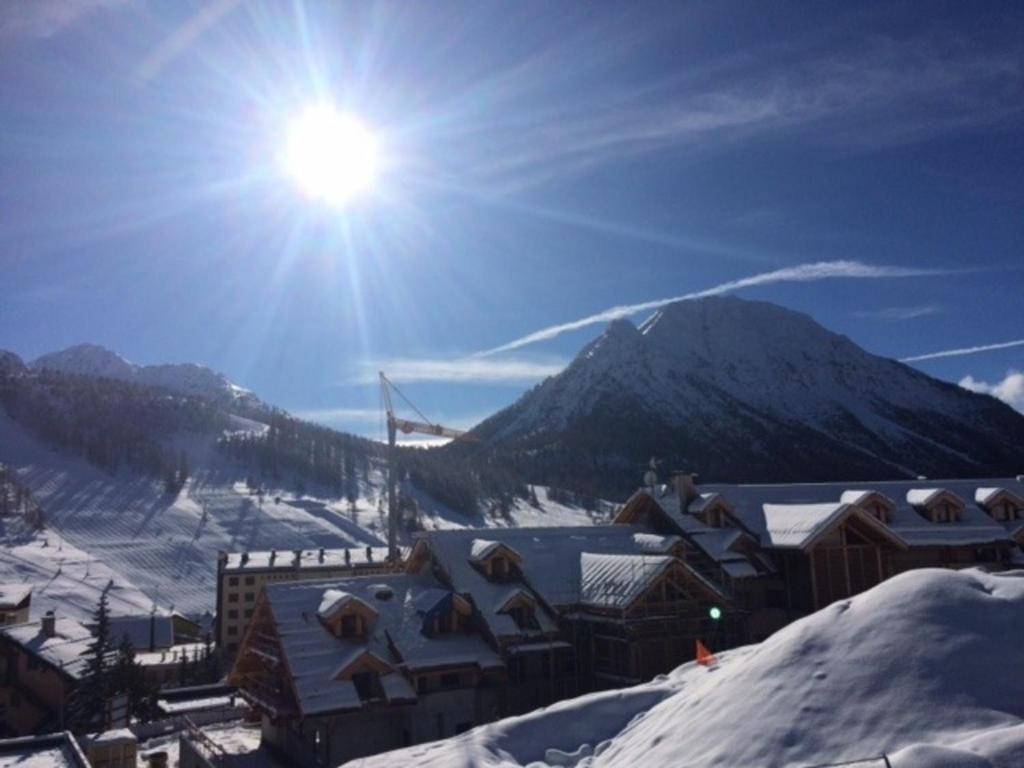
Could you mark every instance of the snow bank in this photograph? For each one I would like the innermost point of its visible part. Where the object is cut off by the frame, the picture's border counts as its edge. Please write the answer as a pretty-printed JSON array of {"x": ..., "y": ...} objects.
[{"x": 926, "y": 668}]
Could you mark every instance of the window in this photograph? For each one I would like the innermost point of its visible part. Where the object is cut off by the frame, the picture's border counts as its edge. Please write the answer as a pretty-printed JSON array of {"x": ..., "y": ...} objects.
[
  {"x": 248, "y": 613},
  {"x": 524, "y": 617},
  {"x": 233, "y": 614},
  {"x": 349, "y": 625},
  {"x": 233, "y": 581},
  {"x": 249, "y": 597},
  {"x": 233, "y": 597},
  {"x": 450, "y": 680},
  {"x": 250, "y": 580},
  {"x": 499, "y": 568},
  {"x": 443, "y": 623},
  {"x": 232, "y": 631},
  {"x": 366, "y": 684}
]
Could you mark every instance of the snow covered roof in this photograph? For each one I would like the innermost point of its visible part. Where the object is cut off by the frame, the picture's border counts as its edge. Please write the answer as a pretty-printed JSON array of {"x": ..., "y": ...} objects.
[
  {"x": 311, "y": 559},
  {"x": 925, "y": 497},
  {"x": 315, "y": 656},
  {"x": 13, "y": 595},
  {"x": 795, "y": 525},
  {"x": 615, "y": 581},
  {"x": 862, "y": 495},
  {"x": 334, "y": 601},
  {"x": 974, "y": 527},
  {"x": 482, "y": 549},
  {"x": 66, "y": 649},
  {"x": 653, "y": 544},
  {"x": 552, "y": 566},
  {"x": 54, "y": 750},
  {"x": 986, "y": 497}
]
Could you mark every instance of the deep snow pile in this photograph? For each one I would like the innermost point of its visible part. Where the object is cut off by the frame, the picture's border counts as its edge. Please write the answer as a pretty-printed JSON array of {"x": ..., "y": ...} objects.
[{"x": 927, "y": 668}]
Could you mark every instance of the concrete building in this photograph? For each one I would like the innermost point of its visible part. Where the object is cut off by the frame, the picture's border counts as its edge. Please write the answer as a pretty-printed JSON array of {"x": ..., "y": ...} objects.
[
  {"x": 241, "y": 576},
  {"x": 53, "y": 750}
]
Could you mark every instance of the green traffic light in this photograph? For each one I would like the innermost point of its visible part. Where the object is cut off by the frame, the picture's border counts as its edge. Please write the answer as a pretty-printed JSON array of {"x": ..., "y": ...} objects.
[{"x": 715, "y": 612}]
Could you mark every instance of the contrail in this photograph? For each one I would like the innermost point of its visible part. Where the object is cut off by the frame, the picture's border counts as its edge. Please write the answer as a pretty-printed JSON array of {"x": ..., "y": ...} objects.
[
  {"x": 802, "y": 273},
  {"x": 964, "y": 351}
]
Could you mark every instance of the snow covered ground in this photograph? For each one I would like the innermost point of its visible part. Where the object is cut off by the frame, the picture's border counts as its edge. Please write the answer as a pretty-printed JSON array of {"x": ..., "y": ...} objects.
[
  {"x": 926, "y": 669},
  {"x": 162, "y": 549}
]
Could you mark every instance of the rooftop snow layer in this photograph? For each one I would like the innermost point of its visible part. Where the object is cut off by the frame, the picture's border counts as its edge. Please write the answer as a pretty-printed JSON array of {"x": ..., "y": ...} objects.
[
  {"x": 13, "y": 595},
  {"x": 66, "y": 649},
  {"x": 615, "y": 581},
  {"x": 316, "y": 657},
  {"x": 922, "y": 668}
]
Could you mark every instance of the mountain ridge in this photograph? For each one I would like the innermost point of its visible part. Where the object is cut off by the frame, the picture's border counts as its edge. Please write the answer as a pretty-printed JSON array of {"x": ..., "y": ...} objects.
[{"x": 747, "y": 391}]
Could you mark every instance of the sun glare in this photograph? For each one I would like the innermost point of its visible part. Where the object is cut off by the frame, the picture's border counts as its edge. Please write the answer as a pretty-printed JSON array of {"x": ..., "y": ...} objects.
[{"x": 331, "y": 155}]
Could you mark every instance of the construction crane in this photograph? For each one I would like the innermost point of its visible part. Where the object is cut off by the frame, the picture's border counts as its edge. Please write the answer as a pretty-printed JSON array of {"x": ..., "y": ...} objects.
[{"x": 406, "y": 427}]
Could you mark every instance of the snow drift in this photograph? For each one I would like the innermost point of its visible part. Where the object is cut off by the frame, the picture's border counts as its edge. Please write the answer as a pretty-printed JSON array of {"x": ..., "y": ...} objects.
[{"x": 926, "y": 668}]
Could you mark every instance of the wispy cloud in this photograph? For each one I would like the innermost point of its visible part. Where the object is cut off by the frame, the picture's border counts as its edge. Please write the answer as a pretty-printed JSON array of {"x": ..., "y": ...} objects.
[
  {"x": 900, "y": 313},
  {"x": 1010, "y": 390},
  {"x": 44, "y": 18},
  {"x": 465, "y": 370},
  {"x": 802, "y": 273},
  {"x": 885, "y": 92},
  {"x": 964, "y": 351}
]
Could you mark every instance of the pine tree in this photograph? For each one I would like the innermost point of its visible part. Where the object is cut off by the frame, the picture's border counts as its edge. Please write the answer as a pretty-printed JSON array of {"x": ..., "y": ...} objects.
[
  {"x": 94, "y": 687},
  {"x": 127, "y": 677}
]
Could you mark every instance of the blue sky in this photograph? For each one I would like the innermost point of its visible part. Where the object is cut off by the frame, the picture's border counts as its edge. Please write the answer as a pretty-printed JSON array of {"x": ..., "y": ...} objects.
[{"x": 540, "y": 163}]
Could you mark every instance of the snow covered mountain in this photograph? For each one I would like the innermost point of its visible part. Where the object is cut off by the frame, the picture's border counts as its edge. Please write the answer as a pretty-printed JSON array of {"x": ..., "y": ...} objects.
[
  {"x": 740, "y": 391},
  {"x": 922, "y": 669},
  {"x": 186, "y": 378}
]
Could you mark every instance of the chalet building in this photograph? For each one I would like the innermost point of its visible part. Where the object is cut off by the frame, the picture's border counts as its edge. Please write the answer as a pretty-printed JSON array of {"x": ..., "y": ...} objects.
[
  {"x": 786, "y": 550},
  {"x": 481, "y": 625},
  {"x": 241, "y": 575},
  {"x": 43, "y": 662},
  {"x": 15, "y": 603},
  {"x": 350, "y": 667}
]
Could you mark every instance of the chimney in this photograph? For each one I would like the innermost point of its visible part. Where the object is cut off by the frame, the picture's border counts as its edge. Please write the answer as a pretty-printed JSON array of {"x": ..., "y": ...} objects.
[
  {"x": 369, "y": 554},
  {"x": 297, "y": 562},
  {"x": 245, "y": 558},
  {"x": 273, "y": 556},
  {"x": 152, "y": 629},
  {"x": 320, "y": 555},
  {"x": 686, "y": 486},
  {"x": 49, "y": 624},
  {"x": 348, "y": 557}
]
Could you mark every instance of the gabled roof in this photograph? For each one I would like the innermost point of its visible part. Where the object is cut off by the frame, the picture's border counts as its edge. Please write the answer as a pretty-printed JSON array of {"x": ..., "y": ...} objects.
[
  {"x": 654, "y": 544},
  {"x": 862, "y": 495},
  {"x": 799, "y": 526},
  {"x": 550, "y": 565},
  {"x": 925, "y": 497},
  {"x": 707, "y": 500},
  {"x": 315, "y": 656},
  {"x": 14, "y": 595},
  {"x": 986, "y": 497},
  {"x": 481, "y": 550},
  {"x": 334, "y": 602},
  {"x": 616, "y": 581},
  {"x": 65, "y": 650},
  {"x": 974, "y": 527}
]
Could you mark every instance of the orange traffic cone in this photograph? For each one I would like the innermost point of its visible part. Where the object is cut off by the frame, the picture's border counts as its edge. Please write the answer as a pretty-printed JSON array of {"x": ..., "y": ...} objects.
[{"x": 705, "y": 657}]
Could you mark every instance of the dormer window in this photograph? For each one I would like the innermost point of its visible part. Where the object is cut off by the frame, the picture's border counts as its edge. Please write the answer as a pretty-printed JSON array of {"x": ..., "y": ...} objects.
[
  {"x": 496, "y": 559},
  {"x": 876, "y": 504},
  {"x": 499, "y": 568},
  {"x": 936, "y": 504},
  {"x": 524, "y": 616},
  {"x": 345, "y": 615},
  {"x": 1002, "y": 505}
]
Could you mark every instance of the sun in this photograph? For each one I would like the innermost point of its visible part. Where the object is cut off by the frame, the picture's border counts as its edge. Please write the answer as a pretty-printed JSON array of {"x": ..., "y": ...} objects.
[{"x": 330, "y": 155}]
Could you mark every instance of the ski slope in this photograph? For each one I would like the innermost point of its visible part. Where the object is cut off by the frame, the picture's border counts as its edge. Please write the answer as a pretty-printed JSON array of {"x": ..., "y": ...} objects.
[
  {"x": 162, "y": 550},
  {"x": 925, "y": 668}
]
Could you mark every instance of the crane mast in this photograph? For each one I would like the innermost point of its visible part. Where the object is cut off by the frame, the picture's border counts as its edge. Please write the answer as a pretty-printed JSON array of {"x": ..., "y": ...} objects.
[{"x": 407, "y": 427}]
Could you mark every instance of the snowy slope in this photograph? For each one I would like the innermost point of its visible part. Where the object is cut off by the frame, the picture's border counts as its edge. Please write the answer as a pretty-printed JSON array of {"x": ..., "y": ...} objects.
[
  {"x": 749, "y": 391},
  {"x": 925, "y": 668},
  {"x": 187, "y": 378},
  {"x": 163, "y": 549}
]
